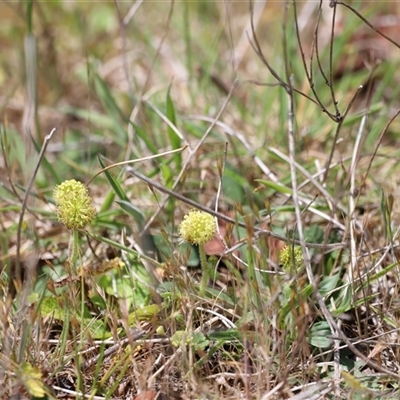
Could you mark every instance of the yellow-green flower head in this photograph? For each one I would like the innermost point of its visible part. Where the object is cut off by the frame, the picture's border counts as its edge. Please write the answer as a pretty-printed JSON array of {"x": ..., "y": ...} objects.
[
  {"x": 74, "y": 205},
  {"x": 197, "y": 227},
  {"x": 291, "y": 258}
]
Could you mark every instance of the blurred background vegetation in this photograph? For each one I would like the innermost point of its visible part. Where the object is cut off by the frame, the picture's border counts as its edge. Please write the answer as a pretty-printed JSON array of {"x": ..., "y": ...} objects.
[{"x": 128, "y": 80}]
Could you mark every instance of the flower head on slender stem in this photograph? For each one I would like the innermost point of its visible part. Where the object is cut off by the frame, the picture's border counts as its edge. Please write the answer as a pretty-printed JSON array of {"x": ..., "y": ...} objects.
[
  {"x": 74, "y": 205},
  {"x": 197, "y": 227}
]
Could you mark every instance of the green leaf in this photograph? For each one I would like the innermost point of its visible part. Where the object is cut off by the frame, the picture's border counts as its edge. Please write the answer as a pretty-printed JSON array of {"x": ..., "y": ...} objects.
[
  {"x": 344, "y": 302},
  {"x": 277, "y": 187},
  {"x": 386, "y": 209},
  {"x": 108, "y": 100},
  {"x": 97, "y": 328},
  {"x": 108, "y": 201},
  {"x": 96, "y": 118},
  {"x": 351, "y": 381},
  {"x": 114, "y": 183},
  {"x": 328, "y": 284},
  {"x": 101, "y": 19},
  {"x": 318, "y": 335},
  {"x": 145, "y": 137},
  {"x": 378, "y": 275},
  {"x": 220, "y": 295},
  {"x": 197, "y": 339},
  {"x": 98, "y": 301},
  {"x": 133, "y": 211},
  {"x": 225, "y": 336},
  {"x": 174, "y": 139},
  {"x": 124, "y": 288},
  {"x": 167, "y": 175},
  {"x": 51, "y": 306},
  {"x": 145, "y": 313},
  {"x": 232, "y": 185}
]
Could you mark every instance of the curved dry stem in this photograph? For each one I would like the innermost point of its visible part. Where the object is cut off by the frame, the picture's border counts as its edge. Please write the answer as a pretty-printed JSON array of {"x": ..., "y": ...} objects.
[
  {"x": 119, "y": 164},
  {"x": 315, "y": 47},
  {"x": 257, "y": 49},
  {"x": 330, "y": 83},
  {"x": 368, "y": 23},
  {"x": 385, "y": 129},
  {"x": 17, "y": 275},
  {"x": 338, "y": 129},
  {"x": 308, "y": 74}
]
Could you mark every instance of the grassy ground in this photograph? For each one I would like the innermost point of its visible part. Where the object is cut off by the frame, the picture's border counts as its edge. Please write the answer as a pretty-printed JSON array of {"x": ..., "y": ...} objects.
[{"x": 280, "y": 120}]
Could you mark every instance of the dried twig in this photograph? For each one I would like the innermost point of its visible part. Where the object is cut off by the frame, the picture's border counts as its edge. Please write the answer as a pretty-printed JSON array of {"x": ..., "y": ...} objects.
[{"x": 17, "y": 275}]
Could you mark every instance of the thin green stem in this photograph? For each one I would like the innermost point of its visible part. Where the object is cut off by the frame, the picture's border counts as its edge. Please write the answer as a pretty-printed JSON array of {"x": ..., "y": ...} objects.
[
  {"x": 205, "y": 278},
  {"x": 73, "y": 250}
]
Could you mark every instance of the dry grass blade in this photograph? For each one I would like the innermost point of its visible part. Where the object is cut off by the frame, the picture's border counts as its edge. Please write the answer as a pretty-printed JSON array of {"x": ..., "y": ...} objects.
[
  {"x": 278, "y": 123},
  {"x": 17, "y": 275}
]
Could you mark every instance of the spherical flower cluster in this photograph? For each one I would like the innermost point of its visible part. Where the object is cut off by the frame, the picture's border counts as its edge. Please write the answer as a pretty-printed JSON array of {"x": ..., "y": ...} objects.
[
  {"x": 289, "y": 255},
  {"x": 74, "y": 205},
  {"x": 197, "y": 227}
]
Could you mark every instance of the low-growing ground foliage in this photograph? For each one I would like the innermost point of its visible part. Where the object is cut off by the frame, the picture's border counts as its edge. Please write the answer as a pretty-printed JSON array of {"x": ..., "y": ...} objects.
[{"x": 279, "y": 119}]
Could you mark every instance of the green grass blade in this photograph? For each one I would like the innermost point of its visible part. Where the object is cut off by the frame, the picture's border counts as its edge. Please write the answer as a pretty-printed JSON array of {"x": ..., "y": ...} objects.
[
  {"x": 114, "y": 183},
  {"x": 174, "y": 139},
  {"x": 131, "y": 210}
]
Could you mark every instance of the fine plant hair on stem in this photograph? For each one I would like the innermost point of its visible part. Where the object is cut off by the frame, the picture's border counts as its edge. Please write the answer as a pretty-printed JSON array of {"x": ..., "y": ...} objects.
[{"x": 17, "y": 272}]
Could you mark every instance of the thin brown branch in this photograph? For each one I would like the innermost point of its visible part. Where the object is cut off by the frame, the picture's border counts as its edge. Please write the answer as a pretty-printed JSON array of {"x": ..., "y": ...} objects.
[
  {"x": 17, "y": 275},
  {"x": 303, "y": 58},
  {"x": 368, "y": 23},
  {"x": 330, "y": 83},
  {"x": 258, "y": 231},
  {"x": 338, "y": 129}
]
